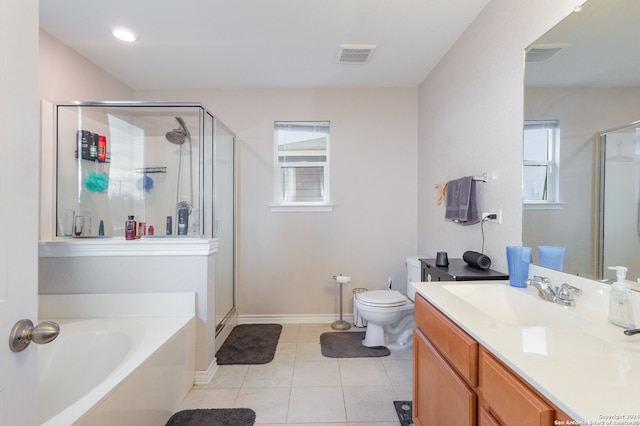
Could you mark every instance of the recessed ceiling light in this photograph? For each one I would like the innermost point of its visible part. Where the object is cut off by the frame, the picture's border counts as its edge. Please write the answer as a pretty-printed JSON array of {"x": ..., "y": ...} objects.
[{"x": 124, "y": 34}]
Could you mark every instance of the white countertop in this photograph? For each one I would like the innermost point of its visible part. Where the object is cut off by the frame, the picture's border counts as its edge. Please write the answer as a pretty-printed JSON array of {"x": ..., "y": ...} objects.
[{"x": 591, "y": 371}]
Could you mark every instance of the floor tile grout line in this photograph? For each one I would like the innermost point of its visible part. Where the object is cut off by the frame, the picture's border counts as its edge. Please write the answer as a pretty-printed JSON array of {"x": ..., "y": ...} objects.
[{"x": 304, "y": 337}]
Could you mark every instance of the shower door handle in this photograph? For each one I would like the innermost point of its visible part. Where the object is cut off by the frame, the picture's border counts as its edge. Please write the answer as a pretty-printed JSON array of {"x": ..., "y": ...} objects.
[{"x": 23, "y": 333}]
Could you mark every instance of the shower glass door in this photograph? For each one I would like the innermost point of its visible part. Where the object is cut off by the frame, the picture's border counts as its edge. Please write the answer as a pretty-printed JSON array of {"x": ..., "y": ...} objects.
[
  {"x": 224, "y": 225},
  {"x": 620, "y": 200},
  {"x": 145, "y": 160}
]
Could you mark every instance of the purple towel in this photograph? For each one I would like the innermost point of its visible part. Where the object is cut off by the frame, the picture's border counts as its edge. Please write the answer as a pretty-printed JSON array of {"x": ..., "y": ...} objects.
[{"x": 462, "y": 206}]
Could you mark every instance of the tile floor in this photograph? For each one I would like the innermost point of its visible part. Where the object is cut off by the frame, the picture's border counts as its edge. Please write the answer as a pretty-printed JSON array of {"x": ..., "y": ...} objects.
[{"x": 302, "y": 387}]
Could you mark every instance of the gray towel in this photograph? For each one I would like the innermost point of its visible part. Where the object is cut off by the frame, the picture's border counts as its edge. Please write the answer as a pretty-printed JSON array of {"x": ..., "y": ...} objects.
[{"x": 462, "y": 206}]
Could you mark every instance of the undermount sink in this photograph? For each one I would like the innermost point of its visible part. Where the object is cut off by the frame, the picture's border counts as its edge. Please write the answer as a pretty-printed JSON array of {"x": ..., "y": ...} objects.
[{"x": 514, "y": 307}]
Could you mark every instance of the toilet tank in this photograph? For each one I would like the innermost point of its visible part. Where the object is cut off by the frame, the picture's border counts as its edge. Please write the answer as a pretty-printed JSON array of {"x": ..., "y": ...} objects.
[{"x": 414, "y": 274}]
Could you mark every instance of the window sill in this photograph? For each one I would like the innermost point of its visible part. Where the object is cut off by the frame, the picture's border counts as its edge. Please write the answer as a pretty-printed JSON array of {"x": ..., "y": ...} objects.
[
  {"x": 301, "y": 207},
  {"x": 542, "y": 205}
]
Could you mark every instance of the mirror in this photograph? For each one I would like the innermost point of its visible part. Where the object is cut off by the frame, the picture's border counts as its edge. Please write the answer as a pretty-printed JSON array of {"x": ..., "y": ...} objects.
[{"x": 585, "y": 73}]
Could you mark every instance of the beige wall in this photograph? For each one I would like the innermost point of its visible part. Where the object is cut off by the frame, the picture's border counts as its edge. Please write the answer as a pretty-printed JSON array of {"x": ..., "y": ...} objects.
[
  {"x": 66, "y": 76},
  {"x": 470, "y": 122},
  {"x": 286, "y": 260}
]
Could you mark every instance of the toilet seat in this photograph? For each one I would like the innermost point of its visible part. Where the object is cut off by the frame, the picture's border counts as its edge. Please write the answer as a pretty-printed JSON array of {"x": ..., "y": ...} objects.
[{"x": 382, "y": 298}]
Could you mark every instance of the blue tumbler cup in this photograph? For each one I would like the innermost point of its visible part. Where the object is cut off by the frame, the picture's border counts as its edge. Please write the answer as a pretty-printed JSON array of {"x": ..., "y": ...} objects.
[
  {"x": 551, "y": 257},
  {"x": 518, "y": 260}
]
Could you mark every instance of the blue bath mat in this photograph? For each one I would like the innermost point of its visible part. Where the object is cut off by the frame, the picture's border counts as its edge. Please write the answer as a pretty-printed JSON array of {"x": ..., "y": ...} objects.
[{"x": 213, "y": 416}]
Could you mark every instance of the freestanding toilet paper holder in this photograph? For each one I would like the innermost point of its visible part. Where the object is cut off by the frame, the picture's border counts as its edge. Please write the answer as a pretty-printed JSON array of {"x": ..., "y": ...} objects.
[{"x": 340, "y": 324}]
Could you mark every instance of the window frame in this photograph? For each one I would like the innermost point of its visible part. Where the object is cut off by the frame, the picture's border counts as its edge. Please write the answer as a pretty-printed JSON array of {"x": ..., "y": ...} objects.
[
  {"x": 552, "y": 163},
  {"x": 279, "y": 204}
]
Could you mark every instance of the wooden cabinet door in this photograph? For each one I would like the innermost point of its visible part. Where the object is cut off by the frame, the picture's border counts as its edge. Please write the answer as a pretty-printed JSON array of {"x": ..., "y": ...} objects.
[
  {"x": 440, "y": 396},
  {"x": 460, "y": 349}
]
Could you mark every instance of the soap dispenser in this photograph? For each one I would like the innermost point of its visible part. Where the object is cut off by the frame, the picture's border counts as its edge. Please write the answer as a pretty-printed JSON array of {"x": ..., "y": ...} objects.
[{"x": 620, "y": 309}]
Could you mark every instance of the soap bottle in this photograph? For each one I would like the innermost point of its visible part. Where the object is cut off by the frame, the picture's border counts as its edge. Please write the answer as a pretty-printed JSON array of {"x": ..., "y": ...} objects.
[{"x": 620, "y": 308}]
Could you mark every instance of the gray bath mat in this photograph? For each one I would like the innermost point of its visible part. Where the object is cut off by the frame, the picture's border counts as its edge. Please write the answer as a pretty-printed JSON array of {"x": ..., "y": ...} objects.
[
  {"x": 250, "y": 344},
  {"x": 214, "y": 416},
  {"x": 349, "y": 345},
  {"x": 404, "y": 409}
]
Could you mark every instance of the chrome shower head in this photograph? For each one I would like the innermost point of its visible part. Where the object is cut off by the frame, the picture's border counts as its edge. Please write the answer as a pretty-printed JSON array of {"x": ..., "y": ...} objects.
[{"x": 180, "y": 135}]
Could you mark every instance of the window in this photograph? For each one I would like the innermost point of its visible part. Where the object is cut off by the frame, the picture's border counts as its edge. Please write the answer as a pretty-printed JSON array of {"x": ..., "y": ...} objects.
[
  {"x": 540, "y": 162},
  {"x": 301, "y": 163}
]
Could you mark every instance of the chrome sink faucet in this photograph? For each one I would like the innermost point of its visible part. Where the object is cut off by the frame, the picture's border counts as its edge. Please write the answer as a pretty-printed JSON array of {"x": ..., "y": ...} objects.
[{"x": 562, "y": 295}]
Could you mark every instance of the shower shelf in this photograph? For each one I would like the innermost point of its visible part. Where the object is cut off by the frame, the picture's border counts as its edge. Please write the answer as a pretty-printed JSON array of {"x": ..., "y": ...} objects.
[
  {"x": 152, "y": 170},
  {"x": 108, "y": 158}
]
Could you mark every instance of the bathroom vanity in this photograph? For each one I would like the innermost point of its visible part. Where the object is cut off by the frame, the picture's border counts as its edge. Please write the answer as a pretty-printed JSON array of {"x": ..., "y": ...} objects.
[
  {"x": 458, "y": 381},
  {"x": 487, "y": 353}
]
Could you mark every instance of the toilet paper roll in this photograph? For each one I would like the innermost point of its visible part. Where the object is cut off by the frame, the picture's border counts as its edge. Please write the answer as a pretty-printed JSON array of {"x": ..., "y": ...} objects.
[{"x": 343, "y": 279}]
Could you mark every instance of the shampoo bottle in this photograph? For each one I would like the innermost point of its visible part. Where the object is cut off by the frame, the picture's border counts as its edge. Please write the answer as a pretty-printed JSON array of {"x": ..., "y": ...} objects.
[
  {"x": 102, "y": 149},
  {"x": 183, "y": 220},
  {"x": 130, "y": 229},
  {"x": 620, "y": 309}
]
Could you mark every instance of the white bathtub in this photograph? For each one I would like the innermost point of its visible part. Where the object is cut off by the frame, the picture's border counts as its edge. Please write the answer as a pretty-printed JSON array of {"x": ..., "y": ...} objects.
[{"x": 124, "y": 370}]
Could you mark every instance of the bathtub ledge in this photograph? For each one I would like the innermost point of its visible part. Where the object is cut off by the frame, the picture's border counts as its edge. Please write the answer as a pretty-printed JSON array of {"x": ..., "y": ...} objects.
[{"x": 86, "y": 247}]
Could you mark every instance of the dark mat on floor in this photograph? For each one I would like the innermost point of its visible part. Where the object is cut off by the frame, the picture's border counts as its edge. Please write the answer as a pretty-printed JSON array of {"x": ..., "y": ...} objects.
[
  {"x": 405, "y": 412},
  {"x": 215, "y": 416},
  {"x": 250, "y": 344},
  {"x": 348, "y": 344}
]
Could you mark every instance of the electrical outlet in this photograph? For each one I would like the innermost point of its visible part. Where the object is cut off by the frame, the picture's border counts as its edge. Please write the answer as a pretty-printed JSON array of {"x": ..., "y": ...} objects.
[{"x": 488, "y": 216}]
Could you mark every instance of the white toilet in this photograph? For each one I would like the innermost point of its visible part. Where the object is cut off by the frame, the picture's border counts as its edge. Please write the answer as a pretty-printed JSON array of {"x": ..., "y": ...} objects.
[{"x": 389, "y": 313}]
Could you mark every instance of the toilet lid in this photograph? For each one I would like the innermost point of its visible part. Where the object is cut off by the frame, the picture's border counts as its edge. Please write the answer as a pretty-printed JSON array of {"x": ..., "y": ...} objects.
[{"x": 388, "y": 298}]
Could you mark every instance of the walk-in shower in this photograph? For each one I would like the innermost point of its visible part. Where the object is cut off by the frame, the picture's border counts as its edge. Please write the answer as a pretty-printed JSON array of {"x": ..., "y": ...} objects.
[{"x": 157, "y": 167}]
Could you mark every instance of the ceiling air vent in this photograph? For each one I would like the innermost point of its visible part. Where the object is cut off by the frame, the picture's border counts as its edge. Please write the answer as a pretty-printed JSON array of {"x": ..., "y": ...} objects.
[
  {"x": 354, "y": 53},
  {"x": 543, "y": 52}
]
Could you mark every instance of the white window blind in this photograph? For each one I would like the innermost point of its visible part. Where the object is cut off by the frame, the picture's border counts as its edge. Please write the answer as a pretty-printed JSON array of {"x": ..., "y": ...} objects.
[
  {"x": 301, "y": 162},
  {"x": 541, "y": 161}
]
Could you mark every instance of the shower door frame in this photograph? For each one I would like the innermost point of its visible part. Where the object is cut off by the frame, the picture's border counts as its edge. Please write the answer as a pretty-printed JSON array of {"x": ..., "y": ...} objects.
[{"x": 600, "y": 158}]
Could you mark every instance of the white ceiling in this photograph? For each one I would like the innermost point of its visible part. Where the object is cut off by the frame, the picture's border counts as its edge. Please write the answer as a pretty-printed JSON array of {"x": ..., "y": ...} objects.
[{"x": 187, "y": 44}]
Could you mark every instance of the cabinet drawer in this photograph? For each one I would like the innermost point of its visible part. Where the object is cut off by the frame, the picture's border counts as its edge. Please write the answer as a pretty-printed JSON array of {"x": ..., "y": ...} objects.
[
  {"x": 457, "y": 346},
  {"x": 510, "y": 400},
  {"x": 486, "y": 419}
]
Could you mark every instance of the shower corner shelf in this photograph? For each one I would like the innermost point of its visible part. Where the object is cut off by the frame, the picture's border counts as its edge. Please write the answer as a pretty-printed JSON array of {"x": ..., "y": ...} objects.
[
  {"x": 93, "y": 160},
  {"x": 146, "y": 170}
]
